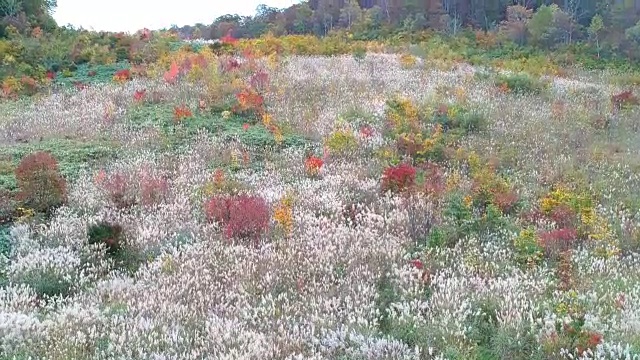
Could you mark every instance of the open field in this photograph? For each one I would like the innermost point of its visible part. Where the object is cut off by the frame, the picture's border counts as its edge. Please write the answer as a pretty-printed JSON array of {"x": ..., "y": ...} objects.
[{"x": 394, "y": 211}]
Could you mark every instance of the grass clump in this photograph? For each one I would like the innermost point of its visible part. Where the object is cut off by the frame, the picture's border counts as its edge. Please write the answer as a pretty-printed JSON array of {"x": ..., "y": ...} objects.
[{"x": 520, "y": 84}]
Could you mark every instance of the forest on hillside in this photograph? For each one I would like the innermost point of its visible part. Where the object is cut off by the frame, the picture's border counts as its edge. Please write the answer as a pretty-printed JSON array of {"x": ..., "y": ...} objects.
[
  {"x": 608, "y": 27},
  {"x": 612, "y": 26}
]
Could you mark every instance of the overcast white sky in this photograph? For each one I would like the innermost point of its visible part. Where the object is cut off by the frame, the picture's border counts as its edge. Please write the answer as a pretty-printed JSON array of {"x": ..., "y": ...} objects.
[{"x": 132, "y": 15}]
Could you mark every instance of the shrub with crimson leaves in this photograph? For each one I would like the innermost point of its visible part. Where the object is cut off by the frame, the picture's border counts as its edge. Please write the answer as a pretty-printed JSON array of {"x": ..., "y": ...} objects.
[
  {"x": 119, "y": 189},
  {"x": 216, "y": 209},
  {"x": 398, "y": 178},
  {"x": 557, "y": 241},
  {"x": 152, "y": 189},
  {"x": 242, "y": 216},
  {"x": 41, "y": 185}
]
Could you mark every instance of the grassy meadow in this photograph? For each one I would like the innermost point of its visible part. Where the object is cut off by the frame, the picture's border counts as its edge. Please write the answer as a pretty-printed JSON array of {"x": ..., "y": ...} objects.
[{"x": 376, "y": 206}]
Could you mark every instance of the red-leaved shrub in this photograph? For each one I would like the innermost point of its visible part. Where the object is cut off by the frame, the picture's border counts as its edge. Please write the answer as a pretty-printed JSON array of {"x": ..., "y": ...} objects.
[
  {"x": 248, "y": 217},
  {"x": 398, "y": 178},
  {"x": 533, "y": 217},
  {"x": 313, "y": 165},
  {"x": 557, "y": 241},
  {"x": 625, "y": 98},
  {"x": 122, "y": 75},
  {"x": 259, "y": 80},
  {"x": 505, "y": 200},
  {"x": 216, "y": 209},
  {"x": 590, "y": 340},
  {"x": 41, "y": 185},
  {"x": 129, "y": 189},
  {"x": 434, "y": 181},
  {"x": 139, "y": 95},
  {"x": 118, "y": 187},
  {"x": 152, "y": 189},
  {"x": 563, "y": 216},
  {"x": 243, "y": 216}
]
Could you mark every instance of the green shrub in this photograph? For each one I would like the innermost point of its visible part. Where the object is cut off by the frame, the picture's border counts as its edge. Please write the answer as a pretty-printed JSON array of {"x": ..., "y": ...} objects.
[
  {"x": 124, "y": 257},
  {"x": 521, "y": 84},
  {"x": 458, "y": 211},
  {"x": 5, "y": 243},
  {"x": 437, "y": 238},
  {"x": 108, "y": 234},
  {"x": 528, "y": 252},
  {"x": 359, "y": 53},
  {"x": 483, "y": 323},
  {"x": 387, "y": 294},
  {"x": 472, "y": 122},
  {"x": 7, "y": 206},
  {"x": 341, "y": 142},
  {"x": 47, "y": 283},
  {"x": 456, "y": 117}
]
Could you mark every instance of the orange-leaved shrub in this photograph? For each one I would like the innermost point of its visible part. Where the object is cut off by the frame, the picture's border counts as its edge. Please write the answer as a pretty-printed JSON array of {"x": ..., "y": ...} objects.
[
  {"x": 41, "y": 185},
  {"x": 242, "y": 216}
]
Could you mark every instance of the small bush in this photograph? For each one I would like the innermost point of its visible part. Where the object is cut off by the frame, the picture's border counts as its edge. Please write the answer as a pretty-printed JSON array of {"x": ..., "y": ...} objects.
[
  {"x": 108, "y": 234},
  {"x": 527, "y": 249},
  {"x": 407, "y": 61},
  {"x": 125, "y": 258},
  {"x": 248, "y": 217},
  {"x": 153, "y": 189},
  {"x": 47, "y": 283},
  {"x": 458, "y": 210},
  {"x": 457, "y": 117},
  {"x": 520, "y": 84},
  {"x": 359, "y": 53},
  {"x": 243, "y": 216},
  {"x": 398, "y": 178},
  {"x": 410, "y": 145},
  {"x": 312, "y": 165},
  {"x": 216, "y": 209},
  {"x": 7, "y": 206},
  {"x": 437, "y": 238},
  {"x": 118, "y": 188},
  {"x": 505, "y": 200},
  {"x": 122, "y": 75},
  {"x": 5, "y": 245},
  {"x": 473, "y": 122},
  {"x": 42, "y": 188},
  {"x": 557, "y": 241},
  {"x": 220, "y": 184},
  {"x": 434, "y": 180},
  {"x": 341, "y": 142}
]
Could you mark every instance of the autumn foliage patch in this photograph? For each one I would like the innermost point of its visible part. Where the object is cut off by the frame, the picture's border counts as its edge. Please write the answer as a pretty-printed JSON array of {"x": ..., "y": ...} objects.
[
  {"x": 242, "y": 216},
  {"x": 122, "y": 75},
  {"x": 41, "y": 185},
  {"x": 181, "y": 112},
  {"x": 312, "y": 165},
  {"x": 398, "y": 178}
]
